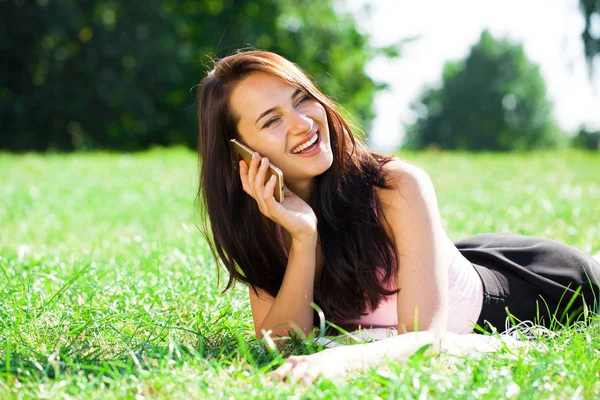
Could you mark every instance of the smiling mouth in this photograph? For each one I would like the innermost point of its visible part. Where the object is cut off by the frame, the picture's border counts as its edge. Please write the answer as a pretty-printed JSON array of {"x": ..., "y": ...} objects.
[{"x": 308, "y": 145}]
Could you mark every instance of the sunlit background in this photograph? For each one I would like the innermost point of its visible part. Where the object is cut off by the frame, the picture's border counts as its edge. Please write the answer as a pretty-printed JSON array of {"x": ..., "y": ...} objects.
[
  {"x": 457, "y": 75},
  {"x": 549, "y": 30}
]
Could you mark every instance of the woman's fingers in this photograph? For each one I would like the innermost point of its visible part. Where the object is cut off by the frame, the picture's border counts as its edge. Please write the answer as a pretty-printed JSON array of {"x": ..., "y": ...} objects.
[
  {"x": 298, "y": 369},
  {"x": 269, "y": 190},
  {"x": 298, "y": 373},
  {"x": 311, "y": 374},
  {"x": 259, "y": 178},
  {"x": 252, "y": 171},
  {"x": 270, "y": 187},
  {"x": 248, "y": 173},
  {"x": 259, "y": 185},
  {"x": 253, "y": 182},
  {"x": 289, "y": 370},
  {"x": 282, "y": 372}
]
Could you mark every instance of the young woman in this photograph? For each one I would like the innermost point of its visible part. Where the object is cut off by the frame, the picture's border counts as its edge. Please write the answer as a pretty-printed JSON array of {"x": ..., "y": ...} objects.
[{"x": 358, "y": 233}]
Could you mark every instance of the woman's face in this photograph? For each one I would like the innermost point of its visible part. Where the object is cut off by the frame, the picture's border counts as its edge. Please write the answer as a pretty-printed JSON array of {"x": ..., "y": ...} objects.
[{"x": 284, "y": 124}]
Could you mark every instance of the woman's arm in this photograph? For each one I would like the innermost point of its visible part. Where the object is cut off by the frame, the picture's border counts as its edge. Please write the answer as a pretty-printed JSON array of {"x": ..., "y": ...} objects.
[
  {"x": 291, "y": 309},
  {"x": 341, "y": 360},
  {"x": 424, "y": 251}
]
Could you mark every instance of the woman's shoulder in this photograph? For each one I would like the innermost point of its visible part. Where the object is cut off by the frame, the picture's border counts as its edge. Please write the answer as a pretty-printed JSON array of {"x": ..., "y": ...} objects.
[
  {"x": 405, "y": 178},
  {"x": 409, "y": 199}
]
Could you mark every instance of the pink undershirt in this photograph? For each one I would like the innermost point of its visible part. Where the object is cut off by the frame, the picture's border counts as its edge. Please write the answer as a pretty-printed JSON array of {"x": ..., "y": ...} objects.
[{"x": 465, "y": 299}]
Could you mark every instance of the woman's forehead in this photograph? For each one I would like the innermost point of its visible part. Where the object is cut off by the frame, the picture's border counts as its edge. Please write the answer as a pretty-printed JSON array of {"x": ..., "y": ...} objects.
[{"x": 257, "y": 93}]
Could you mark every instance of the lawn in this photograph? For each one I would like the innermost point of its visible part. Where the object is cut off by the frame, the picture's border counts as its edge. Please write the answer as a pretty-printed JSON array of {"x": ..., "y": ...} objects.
[{"x": 108, "y": 290}]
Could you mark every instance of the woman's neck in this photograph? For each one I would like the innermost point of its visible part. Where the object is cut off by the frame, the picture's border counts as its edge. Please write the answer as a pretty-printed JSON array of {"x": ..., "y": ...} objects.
[{"x": 302, "y": 189}]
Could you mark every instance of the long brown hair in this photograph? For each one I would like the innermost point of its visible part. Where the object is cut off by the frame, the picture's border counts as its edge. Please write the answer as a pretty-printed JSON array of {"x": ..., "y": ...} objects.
[{"x": 358, "y": 256}]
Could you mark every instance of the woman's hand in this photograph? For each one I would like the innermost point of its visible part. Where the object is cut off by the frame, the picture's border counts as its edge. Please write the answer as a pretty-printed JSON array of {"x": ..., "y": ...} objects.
[
  {"x": 341, "y": 360},
  {"x": 307, "y": 369},
  {"x": 294, "y": 214}
]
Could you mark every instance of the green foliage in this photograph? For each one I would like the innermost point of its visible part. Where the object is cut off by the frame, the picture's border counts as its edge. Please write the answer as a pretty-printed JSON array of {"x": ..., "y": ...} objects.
[
  {"x": 120, "y": 75},
  {"x": 493, "y": 100},
  {"x": 107, "y": 290},
  {"x": 591, "y": 40},
  {"x": 586, "y": 139}
]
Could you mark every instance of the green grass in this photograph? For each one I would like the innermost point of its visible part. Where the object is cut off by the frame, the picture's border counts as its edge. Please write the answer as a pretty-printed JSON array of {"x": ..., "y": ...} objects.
[{"x": 107, "y": 289}]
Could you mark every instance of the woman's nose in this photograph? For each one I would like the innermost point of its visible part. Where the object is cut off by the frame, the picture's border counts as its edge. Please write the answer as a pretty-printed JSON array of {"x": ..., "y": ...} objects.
[{"x": 300, "y": 123}]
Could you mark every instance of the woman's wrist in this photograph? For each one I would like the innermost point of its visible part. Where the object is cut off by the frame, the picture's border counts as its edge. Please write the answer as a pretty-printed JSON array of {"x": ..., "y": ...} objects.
[{"x": 305, "y": 242}]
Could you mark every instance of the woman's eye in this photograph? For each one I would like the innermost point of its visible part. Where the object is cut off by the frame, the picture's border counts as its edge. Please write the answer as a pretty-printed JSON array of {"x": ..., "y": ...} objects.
[
  {"x": 304, "y": 98},
  {"x": 270, "y": 122}
]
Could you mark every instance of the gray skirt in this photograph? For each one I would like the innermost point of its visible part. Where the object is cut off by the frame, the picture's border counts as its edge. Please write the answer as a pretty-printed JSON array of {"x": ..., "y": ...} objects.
[{"x": 532, "y": 279}]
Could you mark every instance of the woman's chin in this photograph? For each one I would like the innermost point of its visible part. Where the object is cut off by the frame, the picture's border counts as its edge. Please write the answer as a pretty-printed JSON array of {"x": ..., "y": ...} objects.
[
  {"x": 311, "y": 169},
  {"x": 324, "y": 164}
]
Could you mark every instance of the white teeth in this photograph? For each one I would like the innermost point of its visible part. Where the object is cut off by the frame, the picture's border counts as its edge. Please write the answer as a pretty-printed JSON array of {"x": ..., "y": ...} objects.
[{"x": 306, "y": 144}]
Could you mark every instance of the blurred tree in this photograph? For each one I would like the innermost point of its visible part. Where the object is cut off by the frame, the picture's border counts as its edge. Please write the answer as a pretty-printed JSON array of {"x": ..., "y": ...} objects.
[
  {"x": 118, "y": 74},
  {"x": 493, "y": 100},
  {"x": 591, "y": 33},
  {"x": 587, "y": 139}
]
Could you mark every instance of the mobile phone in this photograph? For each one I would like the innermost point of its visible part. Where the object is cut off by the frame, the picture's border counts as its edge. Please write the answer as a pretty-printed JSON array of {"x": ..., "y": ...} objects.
[{"x": 242, "y": 152}]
